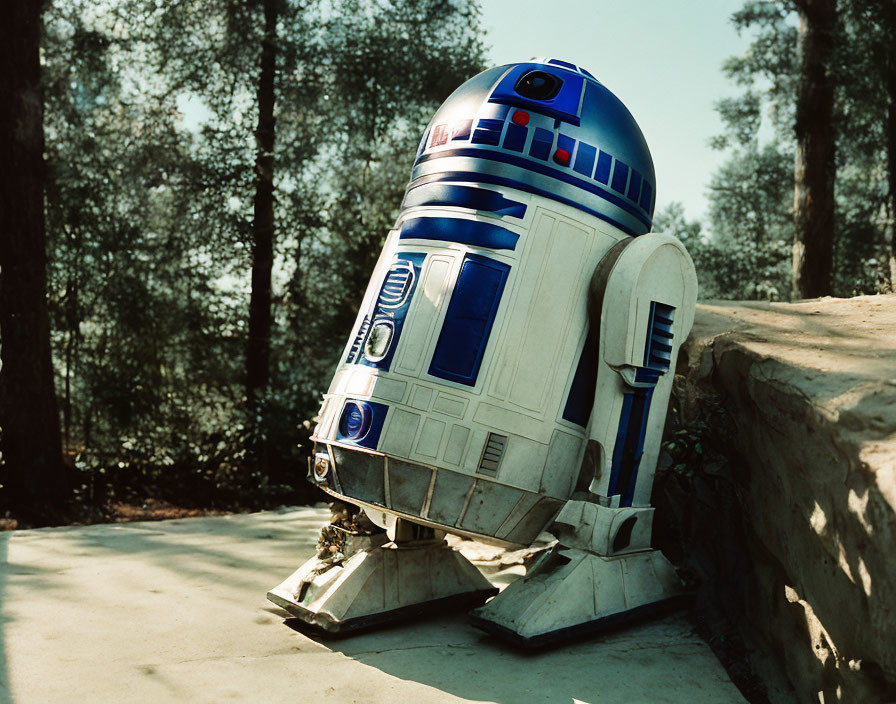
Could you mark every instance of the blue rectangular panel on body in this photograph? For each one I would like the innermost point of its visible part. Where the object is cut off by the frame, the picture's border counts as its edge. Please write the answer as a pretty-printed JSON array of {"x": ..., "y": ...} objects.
[
  {"x": 515, "y": 137},
  {"x": 620, "y": 177},
  {"x": 471, "y": 232},
  {"x": 542, "y": 141},
  {"x": 629, "y": 445},
  {"x": 602, "y": 172},
  {"x": 392, "y": 305},
  {"x": 584, "y": 383},
  {"x": 469, "y": 320},
  {"x": 564, "y": 106},
  {"x": 634, "y": 186},
  {"x": 585, "y": 159}
]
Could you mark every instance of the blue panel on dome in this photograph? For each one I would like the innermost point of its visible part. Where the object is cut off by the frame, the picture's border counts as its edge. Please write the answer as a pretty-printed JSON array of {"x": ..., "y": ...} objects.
[
  {"x": 602, "y": 172},
  {"x": 585, "y": 159},
  {"x": 646, "y": 193},
  {"x": 567, "y": 143},
  {"x": 564, "y": 64},
  {"x": 462, "y": 130},
  {"x": 564, "y": 106},
  {"x": 634, "y": 186},
  {"x": 515, "y": 137},
  {"x": 488, "y": 132},
  {"x": 469, "y": 319},
  {"x": 620, "y": 177},
  {"x": 471, "y": 232},
  {"x": 470, "y": 197},
  {"x": 541, "y": 143}
]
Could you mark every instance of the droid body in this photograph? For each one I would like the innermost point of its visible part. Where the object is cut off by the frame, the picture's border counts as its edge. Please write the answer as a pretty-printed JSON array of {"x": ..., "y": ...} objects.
[{"x": 509, "y": 368}]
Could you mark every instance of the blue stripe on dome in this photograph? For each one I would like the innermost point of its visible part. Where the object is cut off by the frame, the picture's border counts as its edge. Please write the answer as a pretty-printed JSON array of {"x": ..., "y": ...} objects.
[
  {"x": 521, "y": 186},
  {"x": 545, "y": 170}
]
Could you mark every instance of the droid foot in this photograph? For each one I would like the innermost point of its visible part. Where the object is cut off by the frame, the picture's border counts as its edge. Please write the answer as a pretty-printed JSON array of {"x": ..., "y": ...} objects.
[
  {"x": 570, "y": 593},
  {"x": 416, "y": 573}
]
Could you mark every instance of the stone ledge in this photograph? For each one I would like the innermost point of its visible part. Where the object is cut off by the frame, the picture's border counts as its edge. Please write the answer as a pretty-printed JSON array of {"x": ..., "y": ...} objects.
[{"x": 786, "y": 420}]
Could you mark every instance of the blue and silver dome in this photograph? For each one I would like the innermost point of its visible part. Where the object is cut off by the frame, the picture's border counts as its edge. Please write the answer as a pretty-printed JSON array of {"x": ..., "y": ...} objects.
[{"x": 549, "y": 128}]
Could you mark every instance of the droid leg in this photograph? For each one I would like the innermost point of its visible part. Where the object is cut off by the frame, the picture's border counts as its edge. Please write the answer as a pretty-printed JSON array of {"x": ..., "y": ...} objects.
[
  {"x": 603, "y": 569},
  {"x": 410, "y": 572}
]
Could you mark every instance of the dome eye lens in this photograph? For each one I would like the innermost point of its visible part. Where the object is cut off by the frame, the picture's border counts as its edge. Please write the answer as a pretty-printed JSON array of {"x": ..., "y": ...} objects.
[{"x": 538, "y": 85}]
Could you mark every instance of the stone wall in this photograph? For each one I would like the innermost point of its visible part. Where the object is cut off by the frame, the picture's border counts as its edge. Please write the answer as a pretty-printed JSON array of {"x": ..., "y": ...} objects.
[{"x": 777, "y": 491}]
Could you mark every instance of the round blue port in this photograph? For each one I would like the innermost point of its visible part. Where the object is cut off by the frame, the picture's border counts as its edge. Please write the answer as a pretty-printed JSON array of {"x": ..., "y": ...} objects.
[{"x": 355, "y": 421}]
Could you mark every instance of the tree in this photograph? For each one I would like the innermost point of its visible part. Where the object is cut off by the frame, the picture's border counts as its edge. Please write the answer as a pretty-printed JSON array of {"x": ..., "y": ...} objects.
[
  {"x": 36, "y": 479},
  {"x": 766, "y": 115},
  {"x": 814, "y": 170},
  {"x": 258, "y": 355},
  {"x": 150, "y": 221}
]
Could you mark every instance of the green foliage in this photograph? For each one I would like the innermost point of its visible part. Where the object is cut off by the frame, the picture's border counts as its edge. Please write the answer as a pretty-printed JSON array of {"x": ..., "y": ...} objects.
[
  {"x": 149, "y": 222},
  {"x": 747, "y": 253}
]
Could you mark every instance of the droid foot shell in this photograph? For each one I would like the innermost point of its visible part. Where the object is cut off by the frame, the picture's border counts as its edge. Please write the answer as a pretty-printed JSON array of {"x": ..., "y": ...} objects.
[
  {"x": 381, "y": 585},
  {"x": 571, "y": 593}
]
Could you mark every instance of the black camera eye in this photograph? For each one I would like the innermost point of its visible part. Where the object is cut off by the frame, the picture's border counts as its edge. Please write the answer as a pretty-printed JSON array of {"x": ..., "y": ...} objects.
[{"x": 538, "y": 85}]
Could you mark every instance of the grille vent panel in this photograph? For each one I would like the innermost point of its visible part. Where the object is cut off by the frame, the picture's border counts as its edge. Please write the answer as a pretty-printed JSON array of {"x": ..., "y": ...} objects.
[
  {"x": 397, "y": 285},
  {"x": 658, "y": 355},
  {"x": 359, "y": 340},
  {"x": 492, "y": 453}
]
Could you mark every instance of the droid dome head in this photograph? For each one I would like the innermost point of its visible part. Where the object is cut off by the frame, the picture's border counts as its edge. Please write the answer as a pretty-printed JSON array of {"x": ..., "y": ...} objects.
[{"x": 550, "y": 128}]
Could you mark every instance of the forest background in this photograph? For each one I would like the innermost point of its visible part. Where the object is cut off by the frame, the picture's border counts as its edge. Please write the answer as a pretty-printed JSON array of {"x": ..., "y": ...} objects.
[{"x": 175, "y": 301}]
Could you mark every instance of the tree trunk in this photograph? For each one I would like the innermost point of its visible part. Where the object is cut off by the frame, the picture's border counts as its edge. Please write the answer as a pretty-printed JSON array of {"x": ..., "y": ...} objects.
[
  {"x": 813, "y": 246},
  {"x": 258, "y": 358},
  {"x": 889, "y": 20},
  {"x": 33, "y": 472}
]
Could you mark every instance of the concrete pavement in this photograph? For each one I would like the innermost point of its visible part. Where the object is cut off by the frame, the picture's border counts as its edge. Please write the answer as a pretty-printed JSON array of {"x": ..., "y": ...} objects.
[{"x": 176, "y": 611}]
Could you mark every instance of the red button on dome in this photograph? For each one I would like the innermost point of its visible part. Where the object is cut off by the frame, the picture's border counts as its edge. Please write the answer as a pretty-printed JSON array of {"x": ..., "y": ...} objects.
[
  {"x": 520, "y": 118},
  {"x": 561, "y": 156}
]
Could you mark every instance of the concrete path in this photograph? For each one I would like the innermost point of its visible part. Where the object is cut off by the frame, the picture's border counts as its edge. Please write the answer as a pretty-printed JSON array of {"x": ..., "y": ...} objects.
[{"x": 176, "y": 611}]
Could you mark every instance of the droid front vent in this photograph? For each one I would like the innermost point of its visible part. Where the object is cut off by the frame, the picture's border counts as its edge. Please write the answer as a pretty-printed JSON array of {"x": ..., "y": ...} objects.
[
  {"x": 397, "y": 285},
  {"x": 359, "y": 340},
  {"x": 492, "y": 454}
]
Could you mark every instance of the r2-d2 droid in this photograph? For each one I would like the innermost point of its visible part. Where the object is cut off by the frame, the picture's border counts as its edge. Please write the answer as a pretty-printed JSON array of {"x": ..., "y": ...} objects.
[{"x": 509, "y": 371}]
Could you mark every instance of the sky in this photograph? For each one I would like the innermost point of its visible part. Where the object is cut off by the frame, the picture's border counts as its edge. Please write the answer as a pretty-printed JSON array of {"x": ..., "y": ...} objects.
[{"x": 662, "y": 58}]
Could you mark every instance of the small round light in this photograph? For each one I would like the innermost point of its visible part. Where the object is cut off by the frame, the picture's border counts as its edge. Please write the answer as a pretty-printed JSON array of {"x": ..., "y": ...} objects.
[
  {"x": 355, "y": 421},
  {"x": 378, "y": 341},
  {"x": 561, "y": 156},
  {"x": 520, "y": 118},
  {"x": 321, "y": 467}
]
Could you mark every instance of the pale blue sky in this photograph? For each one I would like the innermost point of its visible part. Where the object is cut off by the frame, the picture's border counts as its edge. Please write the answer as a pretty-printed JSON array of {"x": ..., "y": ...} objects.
[{"x": 662, "y": 58}]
